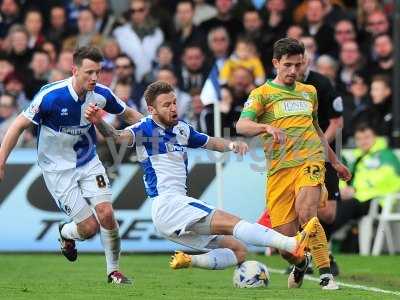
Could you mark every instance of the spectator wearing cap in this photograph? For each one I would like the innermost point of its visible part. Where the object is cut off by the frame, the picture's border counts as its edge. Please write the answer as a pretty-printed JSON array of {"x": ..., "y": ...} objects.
[
  {"x": 144, "y": 37},
  {"x": 87, "y": 35},
  {"x": 14, "y": 85}
]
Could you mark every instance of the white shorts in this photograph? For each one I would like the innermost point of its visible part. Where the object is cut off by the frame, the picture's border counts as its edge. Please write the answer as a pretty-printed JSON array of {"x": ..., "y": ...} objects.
[
  {"x": 173, "y": 215},
  {"x": 74, "y": 189}
]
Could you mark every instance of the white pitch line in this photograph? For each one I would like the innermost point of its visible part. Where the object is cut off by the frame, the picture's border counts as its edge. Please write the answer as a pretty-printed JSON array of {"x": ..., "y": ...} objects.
[{"x": 353, "y": 286}]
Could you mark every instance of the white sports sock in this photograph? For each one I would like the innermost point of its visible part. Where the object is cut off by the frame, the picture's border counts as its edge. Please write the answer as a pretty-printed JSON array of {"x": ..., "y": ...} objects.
[
  {"x": 70, "y": 232},
  {"x": 258, "y": 235},
  {"x": 112, "y": 247},
  {"x": 216, "y": 259}
]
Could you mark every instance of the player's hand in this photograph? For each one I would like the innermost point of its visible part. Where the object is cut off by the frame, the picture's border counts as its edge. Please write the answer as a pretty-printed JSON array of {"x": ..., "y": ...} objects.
[
  {"x": 239, "y": 147},
  {"x": 342, "y": 171},
  {"x": 277, "y": 133},
  {"x": 93, "y": 113}
]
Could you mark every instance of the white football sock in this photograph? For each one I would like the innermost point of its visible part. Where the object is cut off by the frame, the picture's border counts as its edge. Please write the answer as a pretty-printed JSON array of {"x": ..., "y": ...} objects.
[
  {"x": 70, "y": 232},
  {"x": 112, "y": 247},
  {"x": 216, "y": 259},
  {"x": 258, "y": 235}
]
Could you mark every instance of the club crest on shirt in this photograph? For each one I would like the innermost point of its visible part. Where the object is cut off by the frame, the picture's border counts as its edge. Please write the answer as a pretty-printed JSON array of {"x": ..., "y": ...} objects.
[
  {"x": 33, "y": 109},
  {"x": 305, "y": 95},
  {"x": 181, "y": 131}
]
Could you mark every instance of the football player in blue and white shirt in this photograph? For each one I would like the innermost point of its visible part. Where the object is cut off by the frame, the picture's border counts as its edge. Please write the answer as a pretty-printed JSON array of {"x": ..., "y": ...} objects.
[
  {"x": 161, "y": 142},
  {"x": 67, "y": 155}
]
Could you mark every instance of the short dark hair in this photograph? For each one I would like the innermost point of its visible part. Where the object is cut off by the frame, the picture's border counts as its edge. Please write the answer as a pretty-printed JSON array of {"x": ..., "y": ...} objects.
[
  {"x": 155, "y": 89},
  {"x": 191, "y": 2},
  {"x": 91, "y": 53},
  {"x": 123, "y": 55},
  {"x": 287, "y": 46},
  {"x": 363, "y": 126},
  {"x": 382, "y": 78}
]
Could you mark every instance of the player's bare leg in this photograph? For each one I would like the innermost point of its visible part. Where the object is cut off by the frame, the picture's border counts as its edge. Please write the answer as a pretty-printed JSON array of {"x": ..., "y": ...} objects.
[{"x": 109, "y": 234}]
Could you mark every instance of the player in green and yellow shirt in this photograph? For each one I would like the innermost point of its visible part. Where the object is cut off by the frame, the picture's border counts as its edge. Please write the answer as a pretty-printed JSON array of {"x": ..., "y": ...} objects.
[{"x": 284, "y": 113}]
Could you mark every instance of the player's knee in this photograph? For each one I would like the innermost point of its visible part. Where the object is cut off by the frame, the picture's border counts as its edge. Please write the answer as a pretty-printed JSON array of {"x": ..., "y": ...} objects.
[
  {"x": 327, "y": 216},
  {"x": 106, "y": 216}
]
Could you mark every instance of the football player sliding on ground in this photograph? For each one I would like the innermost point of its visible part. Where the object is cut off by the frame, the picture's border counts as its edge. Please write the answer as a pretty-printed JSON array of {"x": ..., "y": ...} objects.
[{"x": 161, "y": 141}]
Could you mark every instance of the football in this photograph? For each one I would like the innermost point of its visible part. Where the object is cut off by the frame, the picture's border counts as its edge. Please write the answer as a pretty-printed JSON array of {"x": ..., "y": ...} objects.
[{"x": 251, "y": 274}]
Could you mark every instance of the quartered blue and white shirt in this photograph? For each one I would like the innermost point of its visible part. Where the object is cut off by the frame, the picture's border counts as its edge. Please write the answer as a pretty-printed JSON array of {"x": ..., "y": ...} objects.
[
  {"x": 66, "y": 139},
  {"x": 162, "y": 152}
]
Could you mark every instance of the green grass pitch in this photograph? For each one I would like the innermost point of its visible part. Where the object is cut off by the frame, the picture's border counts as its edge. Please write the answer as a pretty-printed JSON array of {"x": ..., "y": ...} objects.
[{"x": 51, "y": 276}]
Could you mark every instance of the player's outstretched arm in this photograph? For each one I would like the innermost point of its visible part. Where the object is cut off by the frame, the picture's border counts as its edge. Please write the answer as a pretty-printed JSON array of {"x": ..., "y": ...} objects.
[
  {"x": 93, "y": 114},
  {"x": 131, "y": 116},
  {"x": 248, "y": 127},
  {"x": 224, "y": 145},
  {"x": 10, "y": 140}
]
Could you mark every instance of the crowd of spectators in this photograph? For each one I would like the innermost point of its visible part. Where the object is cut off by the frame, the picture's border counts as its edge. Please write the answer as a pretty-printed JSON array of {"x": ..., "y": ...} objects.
[{"x": 200, "y": 47}]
